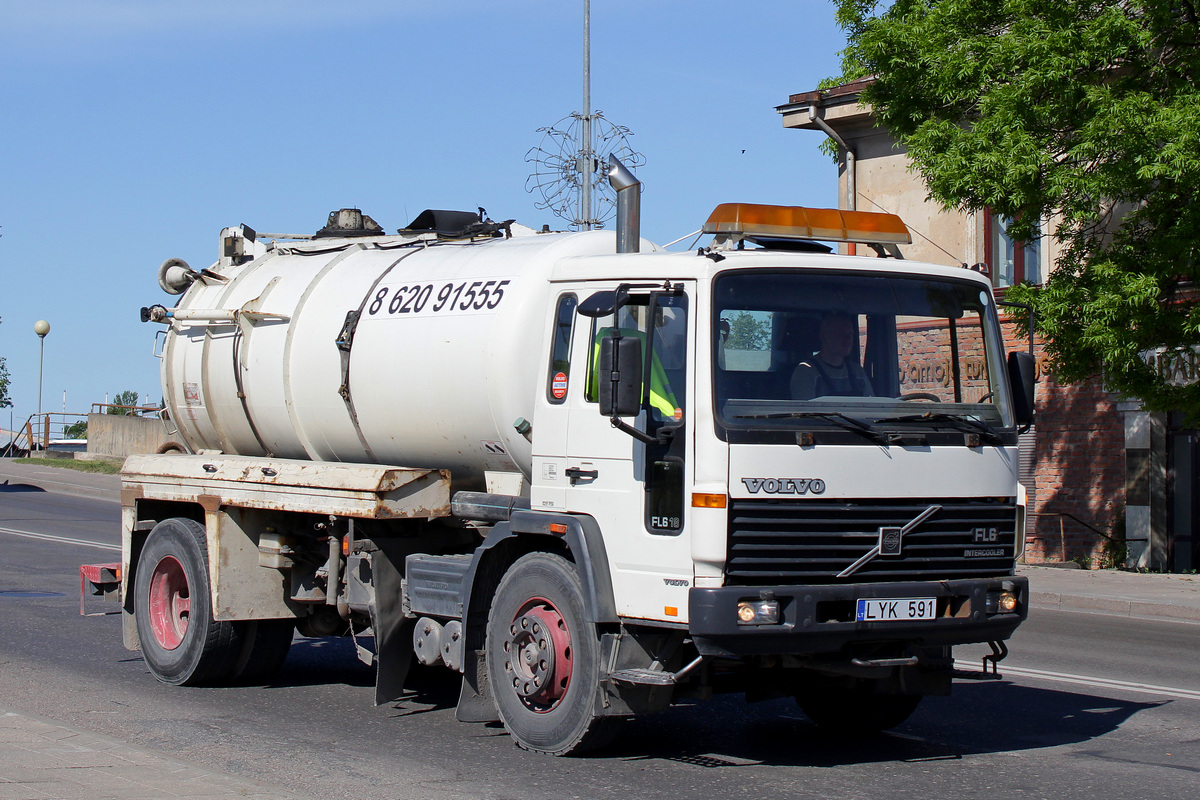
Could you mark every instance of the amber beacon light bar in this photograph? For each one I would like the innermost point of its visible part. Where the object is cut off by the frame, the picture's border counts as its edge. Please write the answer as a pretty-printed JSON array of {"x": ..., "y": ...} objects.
[{"x": 733, "y": 221}]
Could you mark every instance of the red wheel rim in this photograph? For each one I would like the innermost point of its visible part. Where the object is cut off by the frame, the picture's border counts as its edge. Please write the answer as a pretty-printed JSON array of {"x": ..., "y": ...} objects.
[
  {"x": 538, "y": 657},
  {"x": 170, "y": 603}
]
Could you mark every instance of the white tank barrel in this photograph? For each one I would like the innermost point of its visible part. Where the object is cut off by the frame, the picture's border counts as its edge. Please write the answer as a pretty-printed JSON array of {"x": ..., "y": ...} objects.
[{"x": 397, "y": 350}]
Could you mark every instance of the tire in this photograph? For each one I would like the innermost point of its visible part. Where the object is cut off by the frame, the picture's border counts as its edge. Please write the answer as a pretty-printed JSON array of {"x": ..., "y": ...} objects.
[
  {"x": 181, "y": 643},
  {"x": 855, "y": 710},
  {"x": 547, "y": 698}
]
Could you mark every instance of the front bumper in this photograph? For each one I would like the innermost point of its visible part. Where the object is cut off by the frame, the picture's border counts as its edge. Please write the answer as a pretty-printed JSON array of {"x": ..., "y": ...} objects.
[{"x": 820, "y": 619}]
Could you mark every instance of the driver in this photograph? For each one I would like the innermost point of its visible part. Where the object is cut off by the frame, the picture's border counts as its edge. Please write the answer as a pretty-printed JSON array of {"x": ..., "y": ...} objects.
[{"x": 832, "y": 370}]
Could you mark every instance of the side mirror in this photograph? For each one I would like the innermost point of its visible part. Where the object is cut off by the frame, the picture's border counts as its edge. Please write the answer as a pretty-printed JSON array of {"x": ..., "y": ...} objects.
[
  {"x": 1021, "y": 376},
  {"x": 620, "y": 378},
  {"x": 600, "y": 304}
]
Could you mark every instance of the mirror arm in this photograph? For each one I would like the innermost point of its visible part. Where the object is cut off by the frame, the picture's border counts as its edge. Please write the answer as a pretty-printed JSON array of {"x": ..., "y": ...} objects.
[{"x": 663, "y": 435}]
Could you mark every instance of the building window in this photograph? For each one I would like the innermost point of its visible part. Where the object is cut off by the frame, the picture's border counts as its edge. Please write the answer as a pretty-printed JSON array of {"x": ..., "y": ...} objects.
[{"x": 1012, "y": 262}]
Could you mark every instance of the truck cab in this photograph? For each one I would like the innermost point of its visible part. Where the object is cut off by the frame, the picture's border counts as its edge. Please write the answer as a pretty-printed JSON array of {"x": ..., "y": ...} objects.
[{"x": 814, "y": 462}]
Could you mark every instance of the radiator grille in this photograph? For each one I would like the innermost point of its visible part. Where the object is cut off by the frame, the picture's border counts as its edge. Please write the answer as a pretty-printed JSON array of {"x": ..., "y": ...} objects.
[{"x": 784, "y": 542}]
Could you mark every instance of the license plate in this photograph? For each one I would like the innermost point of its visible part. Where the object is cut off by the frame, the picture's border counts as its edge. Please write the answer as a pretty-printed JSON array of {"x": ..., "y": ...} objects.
[{"x": 896, "y": 610}]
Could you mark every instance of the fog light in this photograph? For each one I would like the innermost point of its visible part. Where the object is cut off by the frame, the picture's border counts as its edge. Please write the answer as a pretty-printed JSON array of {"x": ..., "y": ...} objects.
[
  {"x": 758, "y": 612},
  {"x": 1008, "y": 602},
  {"x": 1000, "y": 602}
]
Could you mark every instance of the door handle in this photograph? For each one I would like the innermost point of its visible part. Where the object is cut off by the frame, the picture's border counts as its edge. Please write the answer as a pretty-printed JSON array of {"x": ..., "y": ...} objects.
[{"x": 576, "y": 474}]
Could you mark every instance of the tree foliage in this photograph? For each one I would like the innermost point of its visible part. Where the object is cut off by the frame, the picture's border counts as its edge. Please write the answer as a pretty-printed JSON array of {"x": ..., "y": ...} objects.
[
  {"x": 5, "y": 400},
  {"x": 1085, "y": 113},
  {"x": 123, "y": 403},
  {"x": 747, "y": 332}
]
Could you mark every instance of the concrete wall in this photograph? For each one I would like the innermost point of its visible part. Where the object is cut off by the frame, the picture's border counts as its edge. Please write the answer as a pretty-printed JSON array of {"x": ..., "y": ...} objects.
[{"x": 120, "y": 436}]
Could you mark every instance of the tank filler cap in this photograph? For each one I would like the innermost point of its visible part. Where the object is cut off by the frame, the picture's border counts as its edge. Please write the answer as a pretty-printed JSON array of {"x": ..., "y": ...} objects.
[{"x": 347, "y": 222}]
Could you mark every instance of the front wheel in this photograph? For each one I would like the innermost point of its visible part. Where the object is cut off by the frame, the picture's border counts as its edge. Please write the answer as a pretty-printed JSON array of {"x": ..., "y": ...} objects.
[
  {"x": 543, "y": 658},
  {"x": 856, "y": 710}
]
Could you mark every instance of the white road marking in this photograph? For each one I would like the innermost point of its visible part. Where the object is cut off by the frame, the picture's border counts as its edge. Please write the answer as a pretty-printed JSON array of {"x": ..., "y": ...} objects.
[
  {"x": 1104, "y": 683},
  {"x": 60, "y": 539}
]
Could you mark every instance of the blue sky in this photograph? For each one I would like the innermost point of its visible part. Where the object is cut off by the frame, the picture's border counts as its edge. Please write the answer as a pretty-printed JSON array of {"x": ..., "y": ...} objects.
[{"x": 134, "y": 130}]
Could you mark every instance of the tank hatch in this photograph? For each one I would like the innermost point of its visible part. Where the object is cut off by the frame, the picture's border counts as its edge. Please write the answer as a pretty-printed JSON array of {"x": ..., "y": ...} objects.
[{"x": 349, "y": 222}]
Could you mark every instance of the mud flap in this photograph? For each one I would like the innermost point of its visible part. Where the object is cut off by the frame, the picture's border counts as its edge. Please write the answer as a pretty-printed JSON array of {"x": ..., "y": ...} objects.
[
  {"x": 475, "y": 703},
  {"x": 393, "y": 631}
]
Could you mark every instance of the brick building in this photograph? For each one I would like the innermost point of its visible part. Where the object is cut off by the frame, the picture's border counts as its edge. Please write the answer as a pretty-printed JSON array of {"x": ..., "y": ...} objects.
[{"x": 1107, "y": 482}]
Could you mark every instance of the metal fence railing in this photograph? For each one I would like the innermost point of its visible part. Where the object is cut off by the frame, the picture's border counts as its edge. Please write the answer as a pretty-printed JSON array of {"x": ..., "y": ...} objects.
[{"x": 45, "y": 431}]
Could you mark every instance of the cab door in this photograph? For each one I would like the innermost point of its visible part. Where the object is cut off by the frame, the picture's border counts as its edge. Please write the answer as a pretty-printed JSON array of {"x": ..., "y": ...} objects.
[{"x": 634, "y": 489}]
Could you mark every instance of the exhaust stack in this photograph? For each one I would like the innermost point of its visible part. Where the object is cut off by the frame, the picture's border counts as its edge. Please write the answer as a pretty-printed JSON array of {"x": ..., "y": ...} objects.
[{"x": 629, "y": 206}]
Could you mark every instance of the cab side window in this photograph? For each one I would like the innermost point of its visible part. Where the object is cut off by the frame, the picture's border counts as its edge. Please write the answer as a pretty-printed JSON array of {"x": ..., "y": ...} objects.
[{"x": 560, "y": 350}]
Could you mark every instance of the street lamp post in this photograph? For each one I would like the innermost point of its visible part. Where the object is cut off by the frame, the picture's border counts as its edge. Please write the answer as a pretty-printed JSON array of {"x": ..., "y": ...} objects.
[{"x": 41, "y": 328}]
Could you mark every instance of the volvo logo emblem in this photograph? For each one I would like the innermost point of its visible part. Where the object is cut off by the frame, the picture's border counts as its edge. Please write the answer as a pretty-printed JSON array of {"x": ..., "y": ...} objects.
[
  {"x": 889, "y": 541},
  {"x": 784, "y": 485}
]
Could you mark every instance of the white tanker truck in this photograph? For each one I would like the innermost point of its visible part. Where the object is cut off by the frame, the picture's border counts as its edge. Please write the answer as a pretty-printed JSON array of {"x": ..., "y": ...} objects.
[{"x": 592, "y": 476}]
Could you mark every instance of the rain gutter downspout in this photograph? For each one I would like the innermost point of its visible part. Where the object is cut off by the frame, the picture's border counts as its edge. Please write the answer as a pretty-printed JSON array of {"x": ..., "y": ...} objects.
[{"x": 851, "y": 158}]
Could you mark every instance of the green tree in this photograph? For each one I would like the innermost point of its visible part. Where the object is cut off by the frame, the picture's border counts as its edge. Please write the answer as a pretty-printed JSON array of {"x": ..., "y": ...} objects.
[
  {"x": 746, "y": 332},
  {"x": 1084, "y": 112},
  {"x": 5, "y": 400},
  {"x": 76, "y": 430},
  {"x": 122, "y": 402}
]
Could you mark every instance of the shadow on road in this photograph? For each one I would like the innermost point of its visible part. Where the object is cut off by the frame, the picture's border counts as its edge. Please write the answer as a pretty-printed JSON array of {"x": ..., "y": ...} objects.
[
  {"x": 975, "y": 720},
  {"x": 318, "y": 662},
  {"x": 729, "y": 732},
  {"x": 19, "y": 487}
]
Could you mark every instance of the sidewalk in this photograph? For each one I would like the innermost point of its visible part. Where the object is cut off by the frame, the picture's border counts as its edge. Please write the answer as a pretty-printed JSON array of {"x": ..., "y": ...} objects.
[
  {"x": 1110, "y": 591},
  {"x": 42, "y": 760}
]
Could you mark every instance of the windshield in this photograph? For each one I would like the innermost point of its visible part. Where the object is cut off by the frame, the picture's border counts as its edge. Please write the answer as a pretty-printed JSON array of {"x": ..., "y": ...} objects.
[{"x": 814, "y": 350}]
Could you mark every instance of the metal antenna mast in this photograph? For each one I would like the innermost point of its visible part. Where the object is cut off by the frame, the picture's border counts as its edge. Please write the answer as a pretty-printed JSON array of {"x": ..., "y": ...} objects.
[
  {"x": 586, "y": 157},
  {"x": 566, "y": 172}
]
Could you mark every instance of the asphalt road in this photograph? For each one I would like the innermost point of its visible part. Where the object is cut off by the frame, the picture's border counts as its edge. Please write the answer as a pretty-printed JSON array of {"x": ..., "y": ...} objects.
[{"x": 1068, "y": 721}]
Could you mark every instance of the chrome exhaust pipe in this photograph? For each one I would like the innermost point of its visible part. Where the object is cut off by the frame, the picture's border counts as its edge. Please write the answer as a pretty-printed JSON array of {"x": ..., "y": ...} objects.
[{"x": 629, "y": 206}]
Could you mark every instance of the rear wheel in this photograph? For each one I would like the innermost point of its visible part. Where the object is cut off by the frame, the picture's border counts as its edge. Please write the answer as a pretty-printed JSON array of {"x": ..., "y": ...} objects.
[
  {"x": 181, "y": 643},
  {"x": 543, "y": 658},
  {"x": 855, "y": 709}
]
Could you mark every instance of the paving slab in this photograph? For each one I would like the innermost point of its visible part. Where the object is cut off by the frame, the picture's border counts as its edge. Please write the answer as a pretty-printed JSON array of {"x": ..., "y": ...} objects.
[{"x": 40, "y": 759}]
